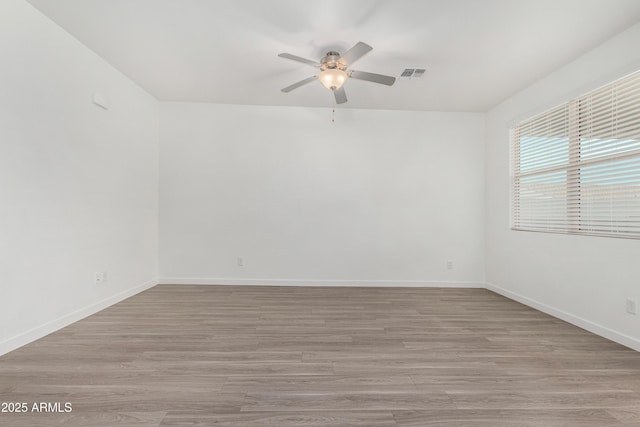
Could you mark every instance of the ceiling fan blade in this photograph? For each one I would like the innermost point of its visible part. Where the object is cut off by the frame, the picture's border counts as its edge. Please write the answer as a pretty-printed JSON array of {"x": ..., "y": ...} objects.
[
  {"x": 299, "y": 59},
  {"x": 298, "y": 84},
  {"x": 373, "y": 77},
  {"x": 355, "y": 53},
  {"x": 341, "y": 96}
]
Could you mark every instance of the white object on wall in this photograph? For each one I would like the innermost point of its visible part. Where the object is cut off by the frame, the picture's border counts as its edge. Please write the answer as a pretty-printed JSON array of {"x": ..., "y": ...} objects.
[{"x": 100, "y": 100}]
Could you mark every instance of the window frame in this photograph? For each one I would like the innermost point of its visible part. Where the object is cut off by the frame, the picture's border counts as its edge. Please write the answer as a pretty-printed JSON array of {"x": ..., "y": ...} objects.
[{"x": 574, "y": 209}]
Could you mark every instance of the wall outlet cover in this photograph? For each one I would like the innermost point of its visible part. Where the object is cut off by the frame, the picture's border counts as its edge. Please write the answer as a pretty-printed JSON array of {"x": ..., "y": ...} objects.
[{"x": 99, "y": 277}]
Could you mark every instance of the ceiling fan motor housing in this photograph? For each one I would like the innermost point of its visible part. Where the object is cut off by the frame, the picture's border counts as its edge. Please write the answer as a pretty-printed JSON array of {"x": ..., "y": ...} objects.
[{"x": 332, "y": 61}]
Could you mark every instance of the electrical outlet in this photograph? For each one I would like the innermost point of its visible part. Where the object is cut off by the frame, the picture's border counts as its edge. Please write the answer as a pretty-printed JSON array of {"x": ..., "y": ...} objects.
[
  {"x": 631, "y": 306},
  {"x": 449, "y": 265},
  {"x": 240, "y": 261},
  {"x": 99, "y": 277}
]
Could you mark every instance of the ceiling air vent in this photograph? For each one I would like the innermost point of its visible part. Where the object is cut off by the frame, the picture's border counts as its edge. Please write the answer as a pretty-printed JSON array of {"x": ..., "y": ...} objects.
[{"x": 413, "y": 73}]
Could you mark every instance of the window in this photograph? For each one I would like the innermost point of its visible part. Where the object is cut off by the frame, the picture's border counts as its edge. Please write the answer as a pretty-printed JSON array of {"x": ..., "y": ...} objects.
[{"x": 576, "y": 167}]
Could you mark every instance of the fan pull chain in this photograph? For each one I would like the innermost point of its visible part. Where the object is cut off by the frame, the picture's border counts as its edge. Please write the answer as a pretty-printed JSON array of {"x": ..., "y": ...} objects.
[{"x": 333, "y": 112}]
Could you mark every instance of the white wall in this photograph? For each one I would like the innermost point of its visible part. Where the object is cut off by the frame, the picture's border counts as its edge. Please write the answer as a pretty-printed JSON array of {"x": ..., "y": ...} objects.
[
  {"x": 585, "y": 280},
  {"x": 378, "y": 197},
  {"x": 78, "y": 184}
]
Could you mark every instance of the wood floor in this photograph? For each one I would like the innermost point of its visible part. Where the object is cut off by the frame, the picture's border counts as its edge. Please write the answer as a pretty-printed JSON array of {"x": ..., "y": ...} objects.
[{"x": 285, "y": 356}]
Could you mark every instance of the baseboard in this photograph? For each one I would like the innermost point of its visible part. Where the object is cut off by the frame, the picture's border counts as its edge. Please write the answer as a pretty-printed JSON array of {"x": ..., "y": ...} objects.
[
  {"x": 59, "y": 323},
  {"x": 300, "y": 282},
  {"x": 595, "y": 328}
]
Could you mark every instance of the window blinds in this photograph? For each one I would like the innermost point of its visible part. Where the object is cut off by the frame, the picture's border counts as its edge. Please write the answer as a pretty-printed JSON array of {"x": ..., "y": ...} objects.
[{"x": 576, "y": 167}]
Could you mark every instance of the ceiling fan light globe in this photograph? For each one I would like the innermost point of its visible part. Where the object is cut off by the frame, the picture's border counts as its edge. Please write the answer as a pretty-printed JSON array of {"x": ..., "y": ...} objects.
[{"x": 333, "y": 78}]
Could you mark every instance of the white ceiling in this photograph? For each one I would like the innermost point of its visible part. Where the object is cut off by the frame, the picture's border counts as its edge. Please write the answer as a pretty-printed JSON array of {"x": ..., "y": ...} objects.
[{"x": 479, "y": 52}]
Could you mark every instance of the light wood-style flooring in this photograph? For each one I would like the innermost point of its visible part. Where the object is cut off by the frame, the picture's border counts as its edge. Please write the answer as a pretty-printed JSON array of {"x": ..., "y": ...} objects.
[{"x": 247, "y": 356}]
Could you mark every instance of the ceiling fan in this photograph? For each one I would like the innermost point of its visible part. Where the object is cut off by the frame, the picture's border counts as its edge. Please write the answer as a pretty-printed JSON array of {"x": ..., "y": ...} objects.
[{"x": 334, "y": 71}]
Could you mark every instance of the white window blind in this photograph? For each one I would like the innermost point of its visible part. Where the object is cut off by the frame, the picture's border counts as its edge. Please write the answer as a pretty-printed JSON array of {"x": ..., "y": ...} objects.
[{"x": 576, "y": 167}]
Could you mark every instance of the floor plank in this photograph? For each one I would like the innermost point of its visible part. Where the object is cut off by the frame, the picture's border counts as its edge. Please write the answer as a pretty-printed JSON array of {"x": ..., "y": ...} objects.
[
  {"x": 286, "y": 419},
  {"x": 506, "y": 418}
]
